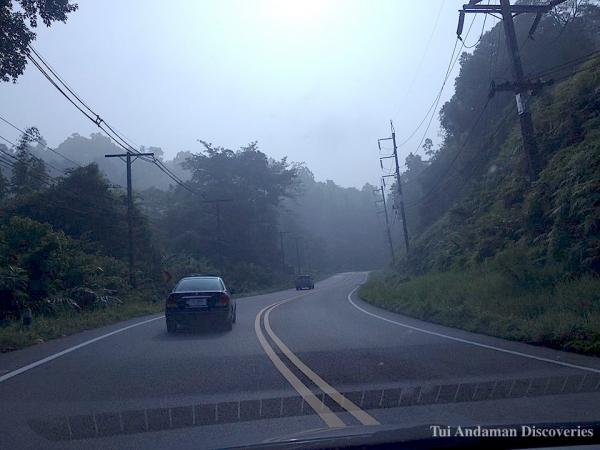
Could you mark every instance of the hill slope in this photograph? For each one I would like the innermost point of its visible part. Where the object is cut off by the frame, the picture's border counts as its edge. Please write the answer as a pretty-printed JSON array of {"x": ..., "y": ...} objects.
[{"x": 493, "y": 252}]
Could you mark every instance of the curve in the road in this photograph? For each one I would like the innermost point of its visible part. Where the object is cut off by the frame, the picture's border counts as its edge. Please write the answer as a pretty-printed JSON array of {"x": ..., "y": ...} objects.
[
  {"x": 466, "y": 341},
  {"x": 330, "y": 418}
]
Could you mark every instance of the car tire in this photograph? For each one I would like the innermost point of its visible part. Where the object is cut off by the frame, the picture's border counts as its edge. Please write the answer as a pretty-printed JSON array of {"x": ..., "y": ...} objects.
[
  {"x": 171, "y": 326},
  {"x": 228, "y": 326},
  {"x": 234, "y": 319}
]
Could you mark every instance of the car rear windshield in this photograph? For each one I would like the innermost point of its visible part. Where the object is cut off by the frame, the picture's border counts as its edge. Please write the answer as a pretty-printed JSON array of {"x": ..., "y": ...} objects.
[
  {"x": 304, "y": 278},
  {"x": 199, "y": 284}
]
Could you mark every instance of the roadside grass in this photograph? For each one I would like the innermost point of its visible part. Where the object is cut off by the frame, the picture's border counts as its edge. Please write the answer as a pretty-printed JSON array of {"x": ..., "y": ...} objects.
[
  {"x": 564, "y": 315},
  {"x": 14, "y": 335}
]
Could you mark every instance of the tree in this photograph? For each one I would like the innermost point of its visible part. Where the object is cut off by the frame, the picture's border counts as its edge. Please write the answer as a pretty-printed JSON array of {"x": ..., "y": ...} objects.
[
  {"x": 83, "y": 207},
  {"x": 255, "y": 183},
  {"x": 3, "y": 186},
  {"x": 17, "y": 19},
  {"x": 29, "y": 172},
  {"x": 428, "y": 147}
]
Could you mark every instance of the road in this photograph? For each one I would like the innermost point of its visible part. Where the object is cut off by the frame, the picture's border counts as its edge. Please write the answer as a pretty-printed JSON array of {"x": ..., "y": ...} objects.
[{"x": 295, "y": 363}]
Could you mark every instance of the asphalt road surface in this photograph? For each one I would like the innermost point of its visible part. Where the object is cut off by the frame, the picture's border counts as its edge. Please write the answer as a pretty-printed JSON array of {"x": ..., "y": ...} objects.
[{"x": 295, "y": 364}]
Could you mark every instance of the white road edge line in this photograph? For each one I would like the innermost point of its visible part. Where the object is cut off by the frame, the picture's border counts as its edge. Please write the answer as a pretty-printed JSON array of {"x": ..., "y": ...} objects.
[
  {"x": 466, "y": 341},
  {"x": 19, "y": 371}
]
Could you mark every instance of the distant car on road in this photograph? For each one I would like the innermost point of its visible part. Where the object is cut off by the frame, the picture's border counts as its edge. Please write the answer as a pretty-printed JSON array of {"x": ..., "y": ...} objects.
[
  {"x": 304, "y": 282},
  {"x": 197, "y": 299}
]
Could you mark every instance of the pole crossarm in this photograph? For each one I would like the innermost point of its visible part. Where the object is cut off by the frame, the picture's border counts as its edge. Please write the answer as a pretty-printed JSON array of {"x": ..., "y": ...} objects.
[
  {"x": 520, "y": 85},
  {"x": 517, "y": 9},
  {"x": 129, "y": 157}
]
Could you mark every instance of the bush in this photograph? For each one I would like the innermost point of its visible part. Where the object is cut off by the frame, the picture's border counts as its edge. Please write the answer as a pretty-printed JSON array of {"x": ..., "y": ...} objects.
[{"x": 38, "y": 264}]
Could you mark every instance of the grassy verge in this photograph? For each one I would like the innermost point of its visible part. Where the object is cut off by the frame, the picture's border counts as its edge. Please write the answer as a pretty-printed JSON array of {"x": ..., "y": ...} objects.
[
  {"x": 14, "y": 336},
  {"x": 565, "y": 315}
]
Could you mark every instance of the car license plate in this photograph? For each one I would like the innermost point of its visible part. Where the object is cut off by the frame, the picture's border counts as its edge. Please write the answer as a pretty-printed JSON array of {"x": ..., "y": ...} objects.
[{"x": 196, "y": 302}]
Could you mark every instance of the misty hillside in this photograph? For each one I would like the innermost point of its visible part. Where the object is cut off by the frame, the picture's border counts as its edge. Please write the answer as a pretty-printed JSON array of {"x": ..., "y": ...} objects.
[
  {"x": 480, "y": 228},
  {"x": 473, "y": 199}
]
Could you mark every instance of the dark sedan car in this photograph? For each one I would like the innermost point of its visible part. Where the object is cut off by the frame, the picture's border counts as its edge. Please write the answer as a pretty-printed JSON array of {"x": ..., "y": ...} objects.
[
  {"x": 197, "y": 299},
  {"x": 304, "y": 282}
]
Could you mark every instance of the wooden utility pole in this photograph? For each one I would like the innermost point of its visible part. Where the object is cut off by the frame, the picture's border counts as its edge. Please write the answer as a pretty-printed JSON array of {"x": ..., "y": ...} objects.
[
  {"x": 217, "y": 204},
  {"x": 281, "y": 234},
  {"x": 387, "y": 221},
  {"x": 398, "y": 182},
  {"x": 129, "y": 159},
  {"x": 520, "y": 85},
  {"x": 298, "y": 264}
]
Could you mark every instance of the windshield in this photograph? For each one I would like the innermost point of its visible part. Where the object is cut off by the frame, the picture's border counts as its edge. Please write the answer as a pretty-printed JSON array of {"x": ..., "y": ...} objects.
[
  {"x": 229, "y": 223},
  {"x": 199, "y": 284}
]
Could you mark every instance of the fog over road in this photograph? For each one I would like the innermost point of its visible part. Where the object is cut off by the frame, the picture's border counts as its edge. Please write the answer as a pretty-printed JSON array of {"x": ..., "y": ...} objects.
[{"x": 295, "y": 361}]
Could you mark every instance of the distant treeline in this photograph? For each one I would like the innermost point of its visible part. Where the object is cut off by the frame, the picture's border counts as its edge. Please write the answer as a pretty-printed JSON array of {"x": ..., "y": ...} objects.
[{"x": 63, "y": 222}]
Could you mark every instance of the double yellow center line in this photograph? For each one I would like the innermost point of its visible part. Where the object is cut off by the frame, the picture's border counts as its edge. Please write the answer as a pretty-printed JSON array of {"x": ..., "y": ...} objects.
[{"x": 327, "y": 415}]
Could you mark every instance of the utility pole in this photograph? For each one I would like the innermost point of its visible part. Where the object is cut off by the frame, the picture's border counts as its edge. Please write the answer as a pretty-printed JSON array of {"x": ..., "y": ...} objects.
[
  {"x": 298, "y": 265},
  {"x": 398, "y": 181},
  {"x": 281, "y": 233},
  {"x": 217, "y": 204},
  {"x": 387, "y": 221},
  {"x": 129, "y": 159},
  {"x": 520, "y": 85}
]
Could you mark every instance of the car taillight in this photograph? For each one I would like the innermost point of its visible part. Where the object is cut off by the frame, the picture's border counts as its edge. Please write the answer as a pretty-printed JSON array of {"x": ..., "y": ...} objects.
[
  {"x": 223, "y": 299},
  {"x": 171, "y": 301}
]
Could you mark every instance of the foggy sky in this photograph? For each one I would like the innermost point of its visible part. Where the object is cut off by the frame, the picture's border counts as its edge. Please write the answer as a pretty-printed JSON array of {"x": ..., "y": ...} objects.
[{"x": 314, "y": 80}]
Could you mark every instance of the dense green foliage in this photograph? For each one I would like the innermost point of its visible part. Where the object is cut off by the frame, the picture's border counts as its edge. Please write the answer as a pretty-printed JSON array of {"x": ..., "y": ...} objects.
[
  {"x": 472, "y": 200},
  {"x": 66, "y": 234}
]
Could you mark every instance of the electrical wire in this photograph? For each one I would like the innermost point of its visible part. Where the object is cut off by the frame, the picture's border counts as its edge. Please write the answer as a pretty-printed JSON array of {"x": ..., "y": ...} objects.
[
  {"x": 453, "y": 161},
  {"x": 579, "y": 60},
  {"x": 44, "y": 68},
  {"x": 480, "y": 34},
  {"x": 39, "y": 141},
  {"x": 439, "y": 96},
  {"x": 50, "y": 181},
  {"x": 424, "y": 54}
]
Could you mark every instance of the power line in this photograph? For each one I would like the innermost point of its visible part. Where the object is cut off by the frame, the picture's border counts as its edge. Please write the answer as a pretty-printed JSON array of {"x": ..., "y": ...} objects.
[
  {"x": 480, "y": 34},
  {"x": 49, "y": 180},
  {"x": 463, "y": 180},
  {"x": 412, "y": 82},
  {"x": 39, "y": 141},
  {"x": 96, "y": 119},
  {"x": 91, "y": 115},
  {"x": 63, "y": 82},
  {"x": 579, "y": 60},
  {"x": 519, "y": 81},
  {"x": 45, "y": 162},
  {"x": 454, "y": 159},
  {"x": 434, "y": 101},
  {"x": 451, "y": 63}
]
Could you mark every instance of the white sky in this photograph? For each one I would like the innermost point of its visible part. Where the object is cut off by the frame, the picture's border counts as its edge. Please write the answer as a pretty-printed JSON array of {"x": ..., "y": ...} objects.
[{"x": 314, "y": 80}]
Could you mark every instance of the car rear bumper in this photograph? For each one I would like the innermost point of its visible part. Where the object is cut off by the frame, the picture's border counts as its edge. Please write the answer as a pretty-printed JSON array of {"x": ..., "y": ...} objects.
[{"x": 186, "y": 316}]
